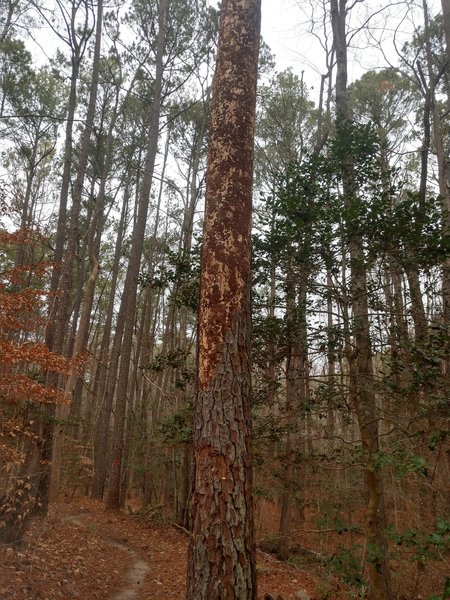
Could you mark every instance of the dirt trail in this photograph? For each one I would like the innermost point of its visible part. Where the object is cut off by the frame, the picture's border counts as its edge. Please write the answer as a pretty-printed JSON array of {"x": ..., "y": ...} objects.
[
  {"x": 80, "y": 551},
  {"x": 135, "y": 578},
  {"x": 137, "y": 572}
]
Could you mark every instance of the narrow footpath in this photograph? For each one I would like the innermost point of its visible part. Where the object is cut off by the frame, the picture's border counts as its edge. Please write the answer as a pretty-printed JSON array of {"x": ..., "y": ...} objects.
[{"x": 81, "y": 551}]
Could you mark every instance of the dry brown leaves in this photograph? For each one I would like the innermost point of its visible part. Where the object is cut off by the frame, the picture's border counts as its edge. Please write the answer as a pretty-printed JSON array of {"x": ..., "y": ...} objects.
[
  {"x": 74, "y": 553},
  {"x": 59, "y": 559}
]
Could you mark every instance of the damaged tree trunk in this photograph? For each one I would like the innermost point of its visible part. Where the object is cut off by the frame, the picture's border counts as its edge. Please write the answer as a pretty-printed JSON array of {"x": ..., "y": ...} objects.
[{"x": 221, "y": 564}]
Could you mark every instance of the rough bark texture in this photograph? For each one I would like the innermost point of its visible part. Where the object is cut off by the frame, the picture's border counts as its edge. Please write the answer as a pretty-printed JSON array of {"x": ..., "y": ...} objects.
[{"x": 221, "y": 554}]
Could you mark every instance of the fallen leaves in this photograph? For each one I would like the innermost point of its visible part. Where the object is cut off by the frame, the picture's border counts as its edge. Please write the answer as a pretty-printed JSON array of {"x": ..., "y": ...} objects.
[{"x": 80, "y": 551}]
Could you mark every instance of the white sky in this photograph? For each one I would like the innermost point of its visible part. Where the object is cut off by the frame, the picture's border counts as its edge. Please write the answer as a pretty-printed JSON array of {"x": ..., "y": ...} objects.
[
  {"x": 284, "y": 28},
  {"x": 280, "y": 29}
]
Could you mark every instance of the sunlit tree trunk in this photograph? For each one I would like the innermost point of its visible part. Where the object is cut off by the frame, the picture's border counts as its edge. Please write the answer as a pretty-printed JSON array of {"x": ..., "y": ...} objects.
[{"x": 221, "y": 562}]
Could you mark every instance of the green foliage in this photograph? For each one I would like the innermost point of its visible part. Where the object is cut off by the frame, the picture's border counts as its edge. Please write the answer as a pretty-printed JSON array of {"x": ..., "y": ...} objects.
[
  {"x": 445, "y": 594},
  {"x": 178, "y": 428},
  {"x": 16, "y": 67},
  {"x": 425, "y": 546},
  {"x": 401, "y": 460},
  {"x": 177, "y": 359},
  {"x": 268, "y": 428},
  {"x": 436, "y": 438},
  {"x": 285, "y": 123},
  {"x": 375, "y": 556},
  {"x": 385, "y": 99},
  {"x": 347, "y": 564},
  {"x": 180, "y": 271},
  {"x": 339, "y": 525}
]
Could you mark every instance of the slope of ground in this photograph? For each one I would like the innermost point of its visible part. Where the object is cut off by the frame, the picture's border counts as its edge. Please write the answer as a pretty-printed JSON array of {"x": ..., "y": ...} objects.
[{"x": 81, "y": 551}]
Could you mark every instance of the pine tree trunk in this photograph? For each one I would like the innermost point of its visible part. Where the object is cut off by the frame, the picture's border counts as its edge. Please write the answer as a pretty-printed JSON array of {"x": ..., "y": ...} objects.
[
  {"x": 25, "y": 213},
  {"x": 296, "y": 386},
  {"x": 102, "y": 396},
  {"x": 417, "y": 307},
  {"x": 56, "y": 333},
  {"x": 331, "y": 362},
  {"x": 221, "y": 561},
  {"x": 184, "y": 487},
  {"x": 363, "y": 377},
  {"x": 104, "y": 400},
  {"x": 128, "y": 302},
  {"x": 443, "y": 166}
]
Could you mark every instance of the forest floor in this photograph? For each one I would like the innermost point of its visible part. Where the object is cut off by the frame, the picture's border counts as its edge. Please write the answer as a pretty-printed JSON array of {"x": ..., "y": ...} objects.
[{"x": 80, "y": 551}]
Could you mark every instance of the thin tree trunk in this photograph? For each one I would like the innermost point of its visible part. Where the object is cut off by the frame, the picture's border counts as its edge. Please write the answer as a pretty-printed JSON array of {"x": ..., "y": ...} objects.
[
  {"x": 184, "y": 488},
  {"x": 417, "y": 306},
  {"x": 102, "y": 395},
  {"x": 443, "y": 163},
  {"x": 365, "y": 401},
  {"x": 56, "y": 334},
  {"x": 128, "y": 302},
  {"x": 296, "y": 375},
  {"x": 446, "y": 18},
  {"x": 104, "y": 400},
  {"x": 331, "y": 361},
  {"x": 79, "y": 346},
  {"x": 24, "y": 220},
  {"x": 7, "y": 19}
]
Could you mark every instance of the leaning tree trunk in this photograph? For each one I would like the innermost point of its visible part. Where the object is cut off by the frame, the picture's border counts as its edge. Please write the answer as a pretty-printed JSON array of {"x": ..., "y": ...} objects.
[
  {"x": 57, "y": 328},
  {"x": 221, "y": 561},
  {"x": 128, "y": 302}
]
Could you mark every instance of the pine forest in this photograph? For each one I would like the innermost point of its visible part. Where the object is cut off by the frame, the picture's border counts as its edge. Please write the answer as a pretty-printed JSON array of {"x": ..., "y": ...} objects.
[{"x": 224, "y": 300}]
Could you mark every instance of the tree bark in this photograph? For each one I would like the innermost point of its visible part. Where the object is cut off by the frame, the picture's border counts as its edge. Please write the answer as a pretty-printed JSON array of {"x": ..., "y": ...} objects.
[
  {"x": 221, "y": 560},
  {"x": 104, "y": 401},
  {"x": 446, "y": 18},
  {"x": 363, "y": 377},
  {"x": 297, "y": 373},
  {"x": 128, "y": 303},
  {"x": 57, "y": 328},
  {"x": 442, "y": 160}
]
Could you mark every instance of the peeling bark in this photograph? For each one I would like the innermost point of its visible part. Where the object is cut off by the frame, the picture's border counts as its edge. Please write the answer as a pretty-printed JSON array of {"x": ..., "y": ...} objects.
[{"x": 221, "y": 554}]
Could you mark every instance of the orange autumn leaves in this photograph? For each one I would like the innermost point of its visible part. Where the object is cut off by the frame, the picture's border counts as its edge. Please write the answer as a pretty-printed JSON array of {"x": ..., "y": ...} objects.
[{"x": 24, "y": 358}]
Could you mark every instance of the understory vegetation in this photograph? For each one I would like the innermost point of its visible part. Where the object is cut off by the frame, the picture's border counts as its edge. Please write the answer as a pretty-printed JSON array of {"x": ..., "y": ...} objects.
[{"x": 102, "y": 186}]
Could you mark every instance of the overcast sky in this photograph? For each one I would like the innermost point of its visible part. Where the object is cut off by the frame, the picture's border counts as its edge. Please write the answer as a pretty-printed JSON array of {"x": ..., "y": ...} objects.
[
  {"x": 284, "y": 28},
  {"x": 280, "y": 29}
]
